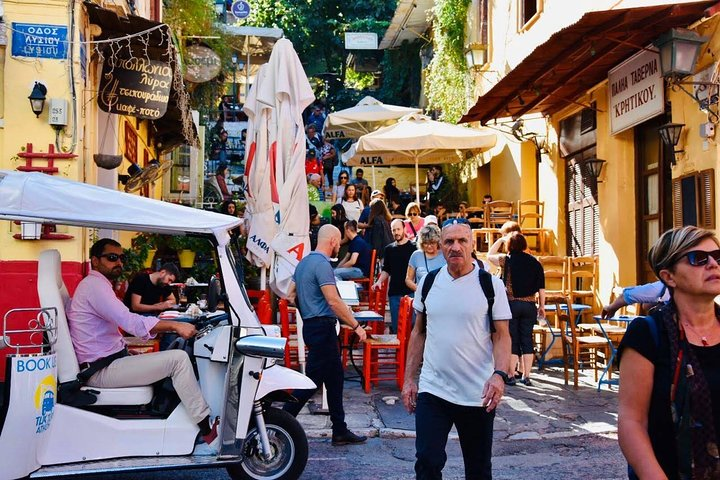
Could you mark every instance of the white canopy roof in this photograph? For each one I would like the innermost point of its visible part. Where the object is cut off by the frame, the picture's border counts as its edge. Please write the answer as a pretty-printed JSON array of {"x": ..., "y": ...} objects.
[{"x": 42, "y": 198}]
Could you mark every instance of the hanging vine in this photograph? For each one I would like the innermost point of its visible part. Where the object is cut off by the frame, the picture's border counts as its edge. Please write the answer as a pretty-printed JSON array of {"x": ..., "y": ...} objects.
[{"x": 446, "y": 78}]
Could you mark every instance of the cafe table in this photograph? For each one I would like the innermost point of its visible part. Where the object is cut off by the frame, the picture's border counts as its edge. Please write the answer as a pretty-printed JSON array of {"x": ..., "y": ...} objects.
[{"x": 613, "y": 334}]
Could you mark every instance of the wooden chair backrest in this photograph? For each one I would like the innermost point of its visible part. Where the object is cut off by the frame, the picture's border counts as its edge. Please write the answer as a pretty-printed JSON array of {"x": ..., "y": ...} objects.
[
  {"x": 556, "y": 276},
  {"x": 531, "y": 210},
  {"x": 498, "y": 212},
  {"x": 582, "y": 273},
  {"x": 378, "y": 299}
]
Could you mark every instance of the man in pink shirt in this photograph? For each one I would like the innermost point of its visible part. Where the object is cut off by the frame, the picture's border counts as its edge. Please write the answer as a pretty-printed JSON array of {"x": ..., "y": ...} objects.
[{"x": 94, "y": 315}]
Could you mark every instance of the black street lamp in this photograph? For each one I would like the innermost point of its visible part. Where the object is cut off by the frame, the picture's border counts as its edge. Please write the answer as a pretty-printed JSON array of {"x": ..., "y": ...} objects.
[
  {"x": 37, "y": 98},
  {"x": 670, "y": 135}
]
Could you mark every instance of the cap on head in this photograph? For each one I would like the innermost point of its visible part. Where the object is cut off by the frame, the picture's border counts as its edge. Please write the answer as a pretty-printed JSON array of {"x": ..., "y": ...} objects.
[
  {"x": 377, "y": 193},
  {"x": 431, "y": 219}
]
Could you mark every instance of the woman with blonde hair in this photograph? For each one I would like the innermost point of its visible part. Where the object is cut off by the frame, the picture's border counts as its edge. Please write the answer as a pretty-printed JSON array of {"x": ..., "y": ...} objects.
[
  {"x": 669, "y": 400},
  {"x": 427, "y": 258},
  {"x": 414, "y": 221}
]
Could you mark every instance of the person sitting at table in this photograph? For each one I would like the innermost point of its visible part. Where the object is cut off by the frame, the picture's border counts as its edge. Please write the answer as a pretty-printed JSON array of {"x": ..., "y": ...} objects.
[
  {"x": 356, "y": 263},
  {"x": 427, "y": 258},
  {"x": 414, "y": 221},
  {"x": 390, "y": 189},
  {"x": 395, "y": 208},
  {"x": 650, "y": 294},
  {"x": 669, "y": 399},
  {"x": 462, "y": 210},
  {"x": 150, "y": 293},
  {"x": 523, "y": 277}
]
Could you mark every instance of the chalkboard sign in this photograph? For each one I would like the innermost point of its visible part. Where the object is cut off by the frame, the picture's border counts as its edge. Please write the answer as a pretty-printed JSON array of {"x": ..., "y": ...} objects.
[{"x": 135, "y": 86}]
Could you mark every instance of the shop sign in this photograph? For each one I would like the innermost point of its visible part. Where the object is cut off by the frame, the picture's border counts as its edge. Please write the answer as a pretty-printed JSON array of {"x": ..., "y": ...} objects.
[
  {"x": 241, "y": 9},
  {"x": 635, "y": 91},
  {"x": 203, "y": 64},
  {"x": 135, "y": 86},
  {"x": 37, "y": 40},
  {"x": 361, "y": 41}
]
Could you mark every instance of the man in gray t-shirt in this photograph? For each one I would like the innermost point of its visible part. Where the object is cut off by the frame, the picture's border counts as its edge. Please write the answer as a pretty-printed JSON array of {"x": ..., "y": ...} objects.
[{"x": 320, "y": 306}]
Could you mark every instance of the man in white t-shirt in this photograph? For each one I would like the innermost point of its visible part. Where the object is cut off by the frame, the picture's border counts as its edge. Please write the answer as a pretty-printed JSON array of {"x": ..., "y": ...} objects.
[{"x": 463, "y": 364}]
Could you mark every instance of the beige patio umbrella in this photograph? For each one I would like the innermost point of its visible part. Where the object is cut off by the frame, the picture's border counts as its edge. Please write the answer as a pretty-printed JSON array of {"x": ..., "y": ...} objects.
[
  {"x": 367, "y": 116},
  {"x": 418, "y": 140}
]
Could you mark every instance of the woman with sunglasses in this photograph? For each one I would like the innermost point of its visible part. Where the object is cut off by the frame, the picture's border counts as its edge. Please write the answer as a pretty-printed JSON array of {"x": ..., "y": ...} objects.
[
  {"x": 414, "y": 221},
  {"x": 351, "y": 203},
  {"x": 669, "y": 401},
  {"x": 338, "y": 190},
  {"x": 427, "y": 258}
]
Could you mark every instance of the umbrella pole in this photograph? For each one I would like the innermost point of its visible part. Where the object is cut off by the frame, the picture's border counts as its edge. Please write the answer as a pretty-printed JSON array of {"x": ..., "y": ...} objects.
[
  {"x": 417, "y": 182},
  {"x": 263, "y": 278},
  {"x": 373, "y": 175}
]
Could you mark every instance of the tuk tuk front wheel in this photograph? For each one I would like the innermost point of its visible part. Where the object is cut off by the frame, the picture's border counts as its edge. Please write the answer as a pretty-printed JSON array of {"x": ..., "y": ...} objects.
[{"x": 288, "y": 445}]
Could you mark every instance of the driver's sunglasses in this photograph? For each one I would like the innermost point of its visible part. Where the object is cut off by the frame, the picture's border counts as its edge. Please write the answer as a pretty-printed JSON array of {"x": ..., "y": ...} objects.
[
  {"x": 114, "y": 257},
  {"x": 698, "y": 258}
]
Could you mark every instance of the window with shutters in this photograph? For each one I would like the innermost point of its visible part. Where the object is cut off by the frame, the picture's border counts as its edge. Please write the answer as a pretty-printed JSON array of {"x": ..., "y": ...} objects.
[
  {"x": 694, "y": 199},
  {"x": 577, "y": 144}
]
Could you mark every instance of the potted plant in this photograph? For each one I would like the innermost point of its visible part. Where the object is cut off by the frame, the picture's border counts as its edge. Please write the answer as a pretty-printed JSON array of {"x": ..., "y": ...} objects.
[
  {"x": 146, "y": 245},
  {"x": 187, "y": 247}
]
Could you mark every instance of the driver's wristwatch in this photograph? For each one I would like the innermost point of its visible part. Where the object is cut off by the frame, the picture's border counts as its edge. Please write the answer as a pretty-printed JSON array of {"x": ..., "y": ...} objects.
[{"x": 502, "y": 375}]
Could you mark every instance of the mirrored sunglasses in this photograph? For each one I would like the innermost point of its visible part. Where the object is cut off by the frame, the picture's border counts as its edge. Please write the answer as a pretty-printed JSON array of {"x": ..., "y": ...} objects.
[
  {"x": 455, "y": 221},
  {"x": 698, "y": 258}
]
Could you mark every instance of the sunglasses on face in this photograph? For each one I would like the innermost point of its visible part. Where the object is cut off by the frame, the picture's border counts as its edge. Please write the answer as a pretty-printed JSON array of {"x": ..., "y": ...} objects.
[
  {"x": 343, "y": 178},
  {"x": 698, "y": 258},
  {"x": 114, "y": 257},
  {"x": 413, "y": 214}
]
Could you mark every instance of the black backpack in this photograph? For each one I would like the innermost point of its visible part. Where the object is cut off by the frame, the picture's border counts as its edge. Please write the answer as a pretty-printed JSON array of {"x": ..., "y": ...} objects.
[{"x": 485, "y": 282}]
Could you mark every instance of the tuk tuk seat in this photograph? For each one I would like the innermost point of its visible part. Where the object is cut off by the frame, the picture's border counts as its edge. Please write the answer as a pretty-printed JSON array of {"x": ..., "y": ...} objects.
[{"x": 53, "y": 293}]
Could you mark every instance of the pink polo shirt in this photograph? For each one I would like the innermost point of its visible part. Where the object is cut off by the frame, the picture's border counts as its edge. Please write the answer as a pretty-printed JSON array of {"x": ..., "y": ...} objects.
[{"x": 95, "y": 314}]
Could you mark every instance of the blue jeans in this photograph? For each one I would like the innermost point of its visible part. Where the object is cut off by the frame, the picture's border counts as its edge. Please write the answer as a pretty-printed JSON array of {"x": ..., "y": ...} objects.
[
  {"x": 323, "y": 367},
  {"x": 394, "y": 301},
  {"x": 434, "y": 417},
  {"x": 349, "y": 273}
]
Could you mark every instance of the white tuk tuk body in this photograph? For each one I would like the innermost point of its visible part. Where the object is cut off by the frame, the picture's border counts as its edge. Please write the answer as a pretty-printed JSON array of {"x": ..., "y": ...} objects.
[{"x": 37, "y": 431}]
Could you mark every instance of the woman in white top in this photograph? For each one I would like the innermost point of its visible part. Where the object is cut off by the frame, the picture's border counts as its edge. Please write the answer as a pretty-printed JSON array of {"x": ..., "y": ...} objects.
[
  {"x": 351, "y": 203},
  {"x": 338, "y": 191}
]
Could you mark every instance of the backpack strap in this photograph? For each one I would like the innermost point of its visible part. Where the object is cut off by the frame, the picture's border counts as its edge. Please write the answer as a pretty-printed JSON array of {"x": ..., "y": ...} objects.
[
  {"x": 427, "y": 284},
  {"x": 487, "y": 287}
]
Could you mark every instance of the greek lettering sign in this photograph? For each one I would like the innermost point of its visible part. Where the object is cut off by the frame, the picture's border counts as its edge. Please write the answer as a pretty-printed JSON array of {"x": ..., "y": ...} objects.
[
  {"x": 135, "y": 86},
  {"x": 39, "y": 41},
  {"x": 241, "y": 9},
  {"x": 635, "y": 91},
  {"x": 203, "y": 64}
]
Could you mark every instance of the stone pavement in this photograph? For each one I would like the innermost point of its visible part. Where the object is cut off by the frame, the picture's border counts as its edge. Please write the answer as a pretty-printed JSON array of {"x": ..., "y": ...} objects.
[{"x": 546, "y": 410}]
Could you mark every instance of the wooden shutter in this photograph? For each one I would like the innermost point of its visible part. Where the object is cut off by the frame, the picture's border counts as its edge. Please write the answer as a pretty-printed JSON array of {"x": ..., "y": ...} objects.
[
  {"x": 677, "y": 203},
  {"x": 706, "y": 192}
]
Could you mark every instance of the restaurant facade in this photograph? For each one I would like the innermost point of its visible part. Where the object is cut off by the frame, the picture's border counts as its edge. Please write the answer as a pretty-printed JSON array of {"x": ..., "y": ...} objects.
[
  {"x": 90, "y": 92},
  {"x": 582, "y": 100}
]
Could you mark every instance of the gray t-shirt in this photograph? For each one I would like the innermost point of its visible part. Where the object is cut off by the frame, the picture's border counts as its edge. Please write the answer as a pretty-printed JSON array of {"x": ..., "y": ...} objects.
[
  {"x": 312, "y": 273},
  {"x": 417, "y": 261}
]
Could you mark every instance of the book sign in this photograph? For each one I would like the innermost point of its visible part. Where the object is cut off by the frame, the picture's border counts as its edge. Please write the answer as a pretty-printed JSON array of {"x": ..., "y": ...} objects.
[{"x": 137, "y": 87}]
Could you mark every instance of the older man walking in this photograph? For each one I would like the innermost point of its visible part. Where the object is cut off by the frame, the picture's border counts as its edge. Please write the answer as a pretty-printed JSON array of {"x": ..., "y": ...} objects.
[{"x": 464, "y": 349}]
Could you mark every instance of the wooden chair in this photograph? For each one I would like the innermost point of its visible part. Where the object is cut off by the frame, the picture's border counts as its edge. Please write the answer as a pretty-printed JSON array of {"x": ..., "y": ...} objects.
[
  {"x": 531, "y": 210},
  {"x": 367, "y": 282},
  {"x": 288, "y": 329},
  {"x": 498, "y": 212},
  {"x": 578, "y": 349},
  {"x": 476, "y": 216},
  {"x": 378, "y": 303},
  {"x": 556, "y": 274},
  {"x": 384, "y": 357},
  {"x": 582, "y": 279}
]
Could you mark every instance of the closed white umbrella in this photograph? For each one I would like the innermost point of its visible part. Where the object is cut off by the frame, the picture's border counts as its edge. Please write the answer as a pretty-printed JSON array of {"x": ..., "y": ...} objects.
[
  {"x": 262, "y": 227},
  {"x": 417, "y": 139},
  {"x": 286, "y": 89}
]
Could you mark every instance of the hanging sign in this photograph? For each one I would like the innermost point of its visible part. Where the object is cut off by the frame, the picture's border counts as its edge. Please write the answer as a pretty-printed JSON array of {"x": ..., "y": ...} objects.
[
  {"x": 203, "y": 64},
  {"x": 135, "y": 86},
  {"x": 361, "y": 41},
  {"x": 635, "y": 91},
  {"x": 37, "y": 40},
  {"x": 241, "y": 9}
]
